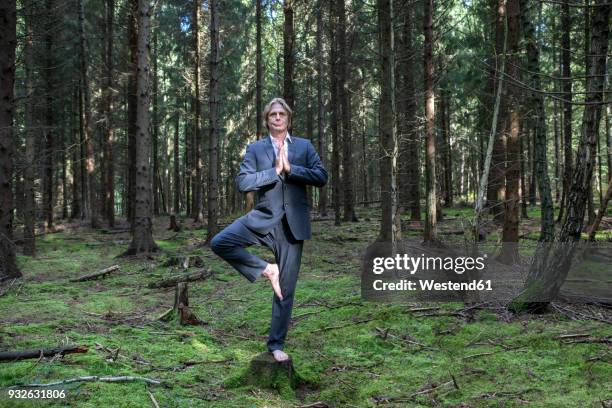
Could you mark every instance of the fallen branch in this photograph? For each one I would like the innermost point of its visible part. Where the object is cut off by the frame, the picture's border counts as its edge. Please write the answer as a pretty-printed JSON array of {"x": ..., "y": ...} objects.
[
  {"x": 96, "y": 275},
  {"x": 38, "y": 353},
  {"x": 91, "y": 378},
  {"x": 153, "y": 400},
  {"x": 342, "y": 325},
  {"x": 189, "y": 277}
]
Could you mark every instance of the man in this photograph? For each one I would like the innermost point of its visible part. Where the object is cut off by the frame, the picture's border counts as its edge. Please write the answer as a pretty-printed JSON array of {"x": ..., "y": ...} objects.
[{"x": 278, "y": 168}]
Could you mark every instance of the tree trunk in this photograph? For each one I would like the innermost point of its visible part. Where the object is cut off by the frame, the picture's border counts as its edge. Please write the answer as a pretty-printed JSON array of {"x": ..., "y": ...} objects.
[
  {"x": 566, "y": 23},
  {"x": 536, "y": 120},
  {"x": 412, "y": 175},
  {"x": 8, "y": 41},
  {"x": 50, "y": 119},
  {"x": 90, "y": 161},
  {"x": 29, "y": 246},
  {"x": 288, "y": 54},
  {"x": 196, "y": 204},
  {"x": 155, "y": 151},
  {"x": 430, "y": 231},
  {"x": 334, "y": 113},
  {"x": 601, "y": 212},
  {"x": 345, "y": 101},
  {"x": 213, "y": 140},
  {"x": 132, "y": 102},
  {"x": 389, "y": 226},
  {"x": 109, "y": 194},
  {"x": 321, "y": 105},
  {"x": 546, "y": 278},
  {"x": 177, "y": 167},
  {"x": 142, "y": 239},
  {"x": 496, "y": 180}
]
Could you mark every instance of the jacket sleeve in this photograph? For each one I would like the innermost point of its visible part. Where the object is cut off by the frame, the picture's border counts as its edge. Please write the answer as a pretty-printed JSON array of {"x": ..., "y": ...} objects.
[
  {"x": 249, "y": 179},
  {"x": 313, "y": 173}
]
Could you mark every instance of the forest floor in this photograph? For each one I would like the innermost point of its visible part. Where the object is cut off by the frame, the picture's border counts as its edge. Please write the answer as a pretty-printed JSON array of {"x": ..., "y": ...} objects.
[{"x": 351, "y": 352}]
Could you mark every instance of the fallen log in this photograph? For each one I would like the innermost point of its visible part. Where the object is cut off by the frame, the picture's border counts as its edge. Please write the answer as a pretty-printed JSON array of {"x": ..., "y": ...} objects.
[
  {"x": 8, "y": 356},
  {"x": 187, "y": 277},
  {"x": 96, "y": 275}
]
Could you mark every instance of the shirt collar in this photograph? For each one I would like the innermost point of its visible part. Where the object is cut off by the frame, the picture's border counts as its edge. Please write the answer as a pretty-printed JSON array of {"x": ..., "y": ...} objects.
[{"x": 288, "y": 137}]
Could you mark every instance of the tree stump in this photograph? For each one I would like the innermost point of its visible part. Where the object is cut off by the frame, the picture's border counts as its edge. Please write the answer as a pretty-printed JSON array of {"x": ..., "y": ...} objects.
[
  {"x": 174, "y": 226},
  {"x": 265, "y": 372},
  {"x": 181, "y": 308}
]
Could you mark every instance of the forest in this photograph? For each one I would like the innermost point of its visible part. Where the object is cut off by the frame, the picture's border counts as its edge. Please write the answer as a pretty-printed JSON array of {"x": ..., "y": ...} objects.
[{"x": 448, "y": 125}]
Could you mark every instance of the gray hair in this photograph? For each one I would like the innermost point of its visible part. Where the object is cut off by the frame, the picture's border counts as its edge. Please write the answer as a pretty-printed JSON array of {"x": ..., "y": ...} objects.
[{"x": 268, "y": 108}]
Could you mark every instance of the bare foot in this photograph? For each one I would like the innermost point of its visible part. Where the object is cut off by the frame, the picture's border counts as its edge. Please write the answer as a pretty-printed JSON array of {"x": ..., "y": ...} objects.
[
  {"x": 271, "y": 272},
  {"x": 280, "y": 355}
]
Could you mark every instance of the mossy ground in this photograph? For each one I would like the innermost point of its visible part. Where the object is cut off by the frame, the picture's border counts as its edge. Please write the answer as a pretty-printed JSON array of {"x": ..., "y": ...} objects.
[{"x": 352, "y": 353}]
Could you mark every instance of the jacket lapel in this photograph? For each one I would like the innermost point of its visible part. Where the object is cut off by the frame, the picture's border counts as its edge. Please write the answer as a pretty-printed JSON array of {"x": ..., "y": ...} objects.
[
  {"x": 269, "y": 149},
  {"x": 291, "y": 150}
]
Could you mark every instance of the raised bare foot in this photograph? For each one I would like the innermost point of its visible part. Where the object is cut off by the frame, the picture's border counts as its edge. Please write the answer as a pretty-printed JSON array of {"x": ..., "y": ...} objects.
[
  {"x": 280, "y": 355},
  {"x": 271, "y": 272}
]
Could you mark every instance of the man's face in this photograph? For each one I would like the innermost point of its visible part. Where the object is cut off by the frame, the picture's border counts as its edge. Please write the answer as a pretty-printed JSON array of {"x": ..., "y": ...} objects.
[{"x": 277, "y": 118}]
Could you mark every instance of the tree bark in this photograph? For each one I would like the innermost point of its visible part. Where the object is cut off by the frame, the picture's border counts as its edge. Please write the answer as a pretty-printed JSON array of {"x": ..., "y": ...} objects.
[
  {"x": 196, "y": 204},
  {"x": 155, "y": 150},
  {"x": 29, "y": 246},
  {"x": 49, "y": 118},
  {"x": 566, "y": 23},
  {"x": 177, "y": 168},
  {"x": 288, "y": 54},
  {"x": 321, "y": 105},
  {"x": 132, "y": 102},
  {"x": 142, "y": 239},
  {"x": 430, "y": 231},
  {"x": 334, "y": 113},
  {"x": 90, "y": 161},
  {"x": 8, "y": 41},
  {"x": 496, "y": 180},
  {"x": 545, "y": 280},
  {"x": 536, "y": 120},
  {"x": 345, "y": 102},
  {"x": 389, "y": 226},
  {"x": 109, "y": 193},
  {"x": 213, "y": 140}
]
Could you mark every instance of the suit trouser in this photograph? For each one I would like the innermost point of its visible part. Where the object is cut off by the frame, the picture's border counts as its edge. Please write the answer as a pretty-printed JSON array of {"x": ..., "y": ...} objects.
[{"x": 230, "y": 245}]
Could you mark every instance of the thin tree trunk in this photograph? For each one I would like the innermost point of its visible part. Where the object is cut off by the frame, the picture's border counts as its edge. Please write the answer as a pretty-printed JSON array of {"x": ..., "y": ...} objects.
[
  {"x": 196, "y": 205},
  {"x": 29, "y": 246},
  {"x": 566, "y": 23},
  {"x": 335, "y": 114},
  {"x": 430, "y": 231},
  {"x": 109, "y": 199},
  {"x": 142, "y": 239},
  {"x": 321, "y": 105},
  {"x": 155, "y": 153},
  {"x": 213, "y": 140},
  {"x": 8, "y": 41},
  {"x": 177, "y": 167},
  {"x": 132, "y": 102},
  {"x": 90, "y": 162},
  {"x": 601, "y": 212},
  {"x": 345, "y": 102},
  {"x": 50, "y": 119},
  {"x": 389, "y": 226},
  {"x": 537, "y": 122},
  {"x": 288, "y": 54}
]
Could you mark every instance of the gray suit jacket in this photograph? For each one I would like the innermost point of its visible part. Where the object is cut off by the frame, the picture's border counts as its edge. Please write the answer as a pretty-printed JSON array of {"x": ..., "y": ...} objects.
[{"x": 279, "y": 196}]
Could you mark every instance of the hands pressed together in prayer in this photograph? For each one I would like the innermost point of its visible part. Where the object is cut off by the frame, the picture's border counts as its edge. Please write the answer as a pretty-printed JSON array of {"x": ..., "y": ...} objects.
[{"x": 282, "y": 162}]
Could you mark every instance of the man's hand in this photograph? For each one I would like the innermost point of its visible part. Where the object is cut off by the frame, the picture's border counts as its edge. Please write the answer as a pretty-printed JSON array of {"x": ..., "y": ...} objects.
[
  {"x": 279, "y": 164},
  {"x": 286, "y": 165}
]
